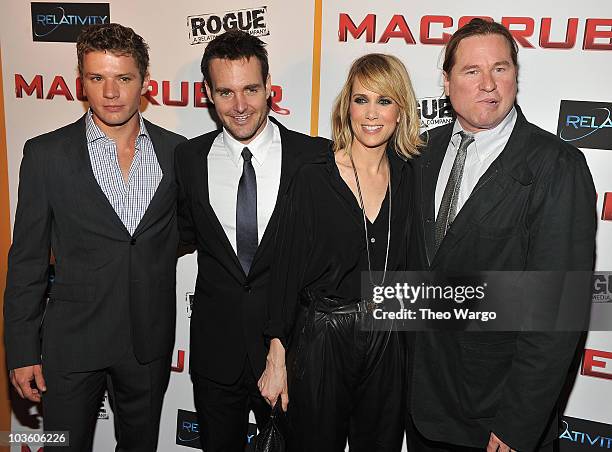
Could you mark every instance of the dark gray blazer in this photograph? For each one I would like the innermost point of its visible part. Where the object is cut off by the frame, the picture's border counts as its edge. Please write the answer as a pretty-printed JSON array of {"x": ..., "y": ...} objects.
[{"x": 111, "y": 289}]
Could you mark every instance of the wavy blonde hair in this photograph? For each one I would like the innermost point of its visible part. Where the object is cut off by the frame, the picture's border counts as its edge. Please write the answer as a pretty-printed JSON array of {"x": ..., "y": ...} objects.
[{"x": 387, "y": 76}]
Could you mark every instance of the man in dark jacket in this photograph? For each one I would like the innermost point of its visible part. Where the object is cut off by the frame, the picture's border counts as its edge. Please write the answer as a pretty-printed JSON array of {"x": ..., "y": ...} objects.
[
  {"x": 494, "y": 192},
  {"x": 230, "y": 186},
  {"x": 99, "y": 195}
]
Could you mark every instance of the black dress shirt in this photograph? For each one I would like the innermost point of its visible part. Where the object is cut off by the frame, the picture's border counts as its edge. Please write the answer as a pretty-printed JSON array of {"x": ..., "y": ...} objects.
[{"x": 320, "y": 244}]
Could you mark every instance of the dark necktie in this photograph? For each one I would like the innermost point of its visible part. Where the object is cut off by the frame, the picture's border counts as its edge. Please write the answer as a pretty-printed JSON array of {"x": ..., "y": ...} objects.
[
  {"x": 448, "y": 205},
  {"x": 246, "y": 213}
]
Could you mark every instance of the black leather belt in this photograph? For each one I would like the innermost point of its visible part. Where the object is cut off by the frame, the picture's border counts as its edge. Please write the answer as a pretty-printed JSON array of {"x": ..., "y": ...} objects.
[{"x": 353, "y": 308}]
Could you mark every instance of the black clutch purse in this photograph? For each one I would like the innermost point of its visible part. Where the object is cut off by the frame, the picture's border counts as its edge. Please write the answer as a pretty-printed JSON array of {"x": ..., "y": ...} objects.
[{"x": 272, "y": 437}]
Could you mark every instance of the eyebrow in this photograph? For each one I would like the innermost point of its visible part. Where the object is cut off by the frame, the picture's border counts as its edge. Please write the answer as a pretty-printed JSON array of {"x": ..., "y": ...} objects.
[
  {"x": 365, "y": 95},
  {"x": 131, "y": 74},
  {"x": 251, "y": 86},
  {"x": 476, "y": 66}
]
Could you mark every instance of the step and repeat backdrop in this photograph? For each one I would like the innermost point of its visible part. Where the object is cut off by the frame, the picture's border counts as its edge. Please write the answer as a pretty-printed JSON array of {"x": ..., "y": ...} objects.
[{"x": 565, "y": 61}]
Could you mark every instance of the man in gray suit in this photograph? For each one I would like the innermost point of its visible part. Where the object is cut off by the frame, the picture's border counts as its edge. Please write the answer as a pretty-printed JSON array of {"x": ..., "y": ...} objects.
[{"x": 99, "y": 196}]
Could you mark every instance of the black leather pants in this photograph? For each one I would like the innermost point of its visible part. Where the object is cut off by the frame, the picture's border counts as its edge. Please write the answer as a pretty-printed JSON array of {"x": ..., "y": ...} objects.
[{"x": 345, "y": 383}]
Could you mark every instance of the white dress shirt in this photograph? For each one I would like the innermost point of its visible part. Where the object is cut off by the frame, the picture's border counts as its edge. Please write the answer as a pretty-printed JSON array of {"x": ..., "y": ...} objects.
[
  {"x": 130, "y": 199},
  {"x": 486, "y": 147},
  {"x": 225, "y": 169}
]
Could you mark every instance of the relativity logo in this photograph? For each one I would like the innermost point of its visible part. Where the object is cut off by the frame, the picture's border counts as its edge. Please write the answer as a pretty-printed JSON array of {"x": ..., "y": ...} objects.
[
  {"x": 62, "y": 22},
  {"x": 188, "y": 431},
  {"x": 585, "y": 435},
  {"x": 586, "y": 124}
]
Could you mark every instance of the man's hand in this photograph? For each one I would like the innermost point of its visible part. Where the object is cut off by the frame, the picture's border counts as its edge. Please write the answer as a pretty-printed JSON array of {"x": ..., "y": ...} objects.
[
  {"x": 273, "y": 381},
  {"x": 21, "y": 379},
  {"x": 496, "y": 444}
]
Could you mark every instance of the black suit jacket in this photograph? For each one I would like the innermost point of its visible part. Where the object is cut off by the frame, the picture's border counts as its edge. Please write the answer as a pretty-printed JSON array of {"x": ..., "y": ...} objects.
[
  {"x": 111, "y": 289},
  {"x": 533, "y": 209},
  {"x": 230, "y": 308}
]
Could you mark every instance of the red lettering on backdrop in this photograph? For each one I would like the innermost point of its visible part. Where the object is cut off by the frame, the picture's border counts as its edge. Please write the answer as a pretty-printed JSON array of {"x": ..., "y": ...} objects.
[
  {"x": 59, "y": 88},
  {"x": 175, "y": 103},
  {"x": 520, "y": 35},
  {"x": 180, "y": 362},
  {"x": 426, "y": 22},
  {"x": 592, "y": 32},
  {"x": 397, "y": 28},
  {"x": 590, "y": 364},
  {"x": 606, "y": 211},
  {"x": 21, "y": 85},
  {"x": 368, "y": 25},
  {"x": 570, "y": 34}
]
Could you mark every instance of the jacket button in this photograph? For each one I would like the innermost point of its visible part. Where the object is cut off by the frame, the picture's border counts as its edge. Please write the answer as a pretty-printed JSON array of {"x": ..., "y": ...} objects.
[
  {"x": 133, "y": 242},
  {"x": 247, "y": 288}
]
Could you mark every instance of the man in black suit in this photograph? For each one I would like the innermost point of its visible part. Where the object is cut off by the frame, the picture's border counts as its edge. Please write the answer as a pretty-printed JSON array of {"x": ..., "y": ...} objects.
[
  {"x": 494, "y": 192},
  {"x": 229, "y": 184},
  {"x": 99, "y": 196}
]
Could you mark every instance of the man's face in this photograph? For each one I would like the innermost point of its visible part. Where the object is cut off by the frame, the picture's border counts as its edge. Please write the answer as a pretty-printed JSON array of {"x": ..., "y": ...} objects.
[
  {"x": 113, "y": 88},
  {"x": 482, "y": 83},
  {"x": 240, "y": 96}
]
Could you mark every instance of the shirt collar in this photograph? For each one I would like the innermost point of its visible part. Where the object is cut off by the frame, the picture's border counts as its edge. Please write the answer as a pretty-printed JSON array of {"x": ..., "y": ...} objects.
[
  {"x": 259, "y": 147},
  {"x": 484, "y": 141},
  {"x": 94, "y": 133}
]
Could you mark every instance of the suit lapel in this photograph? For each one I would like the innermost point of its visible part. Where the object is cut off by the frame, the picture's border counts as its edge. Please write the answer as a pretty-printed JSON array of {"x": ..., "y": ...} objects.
[
  {"x": 430, "y": 168},
  {"x": 225, "y": 249},
  {"x": 85, "y": 180},
  {"x": 160, "y": 198},
  {"x": 292, "y": 158}
]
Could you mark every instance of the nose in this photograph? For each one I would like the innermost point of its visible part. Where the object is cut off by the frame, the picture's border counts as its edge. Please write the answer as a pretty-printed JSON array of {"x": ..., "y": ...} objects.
[
  {"x": 487, "y": 83},
  {"x": 371, "y": 112},
  {"x": 110, "y": 90},
  {"x": 240, "y": 102}
]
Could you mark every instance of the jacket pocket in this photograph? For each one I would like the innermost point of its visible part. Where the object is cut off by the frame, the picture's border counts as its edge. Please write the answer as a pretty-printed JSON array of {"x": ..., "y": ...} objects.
[
  {"x": 72, "y": 292},
  {"x": 483, "y": 373}
]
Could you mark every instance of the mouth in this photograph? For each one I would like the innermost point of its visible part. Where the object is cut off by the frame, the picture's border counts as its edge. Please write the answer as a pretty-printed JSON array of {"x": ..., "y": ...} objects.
[
  {"x": 241, "y": 119},
  {"x": 113, "y": 108},
  {"x": 490, "y": 101},
  {"x": 371, "y": 128}
]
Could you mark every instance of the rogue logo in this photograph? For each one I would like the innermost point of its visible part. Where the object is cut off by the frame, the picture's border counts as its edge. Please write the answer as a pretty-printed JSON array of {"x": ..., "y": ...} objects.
[
  {"x": 586, "y": 124},
  {"x": 597, "y": 363},
  {"x": 190, "y": 92},
  {"x": 602, "y": 287},
  {"x": 62, "y": 22},
  {"x": 205, "y": 27},
  {"x": 435, "y": 111},
  {"x": 434, "y": 30}
]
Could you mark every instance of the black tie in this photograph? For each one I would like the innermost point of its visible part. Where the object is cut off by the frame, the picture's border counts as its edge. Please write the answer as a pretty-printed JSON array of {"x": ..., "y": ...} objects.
[
  {"x": 246, "y": 213},
  {"x": 448, "y": 205}
]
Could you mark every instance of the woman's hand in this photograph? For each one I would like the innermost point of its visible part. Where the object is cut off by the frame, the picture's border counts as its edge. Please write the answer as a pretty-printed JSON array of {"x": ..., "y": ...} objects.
[{"x": 273, "y": 381}]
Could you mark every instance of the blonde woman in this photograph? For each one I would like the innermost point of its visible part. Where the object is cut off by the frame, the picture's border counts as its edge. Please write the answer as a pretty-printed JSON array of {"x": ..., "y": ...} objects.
[{"x": 343, "y": 217}]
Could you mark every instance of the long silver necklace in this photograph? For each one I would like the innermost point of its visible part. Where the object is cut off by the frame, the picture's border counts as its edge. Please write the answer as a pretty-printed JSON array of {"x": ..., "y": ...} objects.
[{"x": 365, "y": 225}]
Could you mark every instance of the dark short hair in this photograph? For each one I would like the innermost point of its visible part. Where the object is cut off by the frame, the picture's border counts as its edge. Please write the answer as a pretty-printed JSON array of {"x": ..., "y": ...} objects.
[
  {"x": 235, "y": 45},
  {"x": 116, "y": 39},
  {"x": 477, "y": 27}
]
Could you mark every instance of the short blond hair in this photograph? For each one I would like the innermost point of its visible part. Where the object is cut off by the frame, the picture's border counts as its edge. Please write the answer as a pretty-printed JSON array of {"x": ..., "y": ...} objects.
[{"x": 385, "y": 75}]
